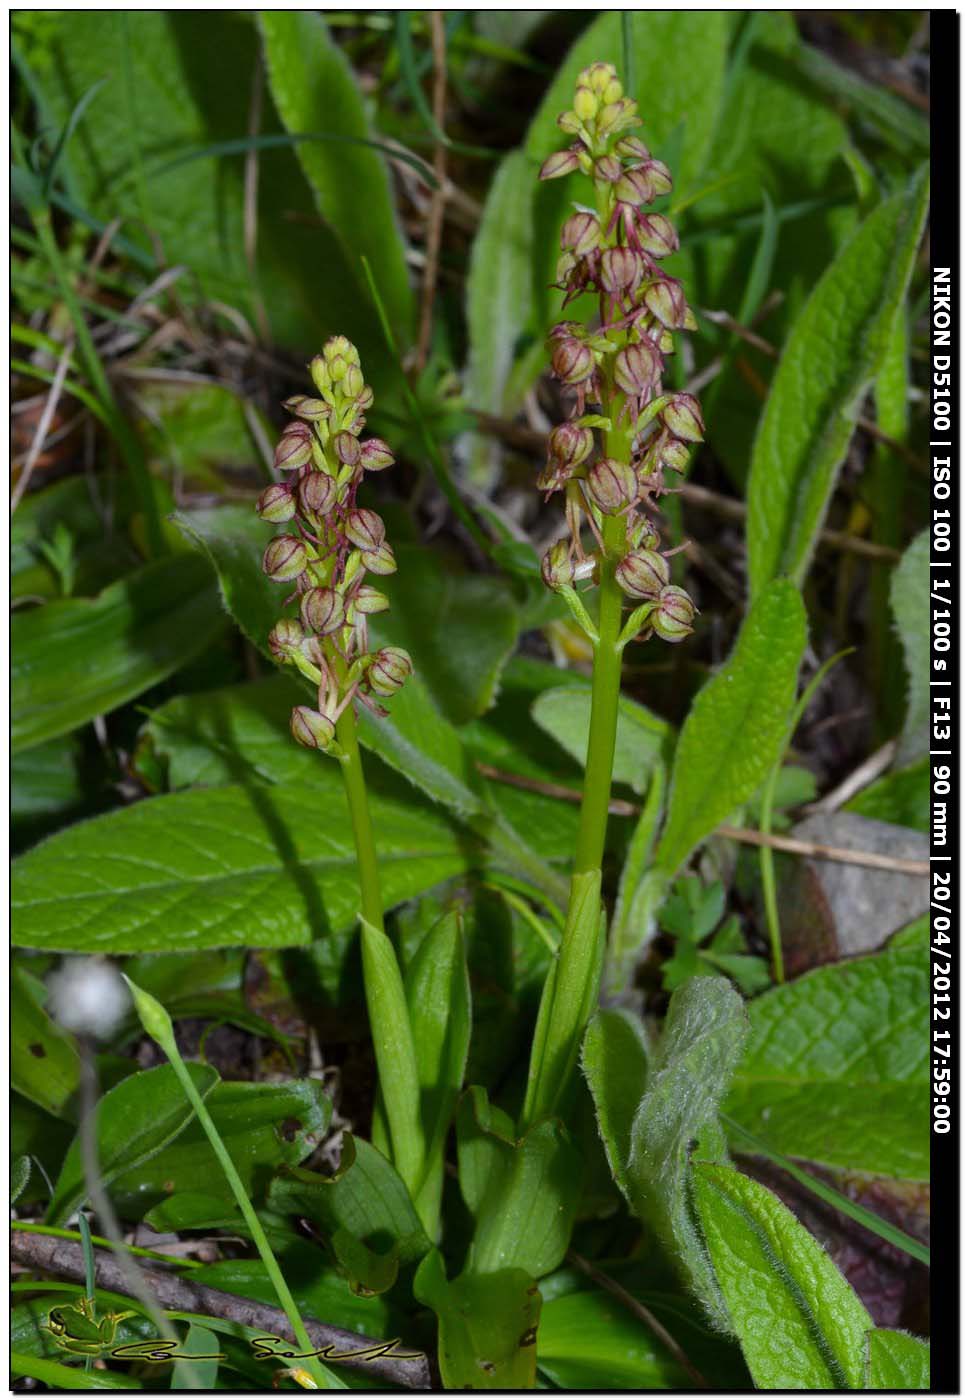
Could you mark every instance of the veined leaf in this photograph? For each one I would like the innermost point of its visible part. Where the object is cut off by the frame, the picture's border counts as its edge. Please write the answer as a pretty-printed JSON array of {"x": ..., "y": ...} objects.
[
  {"x": 800, "y": 1324},
  {"x": 736, "y": 727},
  {"x": 831, "y": 356},
  {"x": 897, "y": 1361},
  {"x": 910, "y": 587},
  {"x": 222, "y": 867},
  {"x": 836, "y": 1066},
  {"x": 80, "y": 657},
  {"x": 314, "y": 90},
  {"x": 691, "y": 1070}
]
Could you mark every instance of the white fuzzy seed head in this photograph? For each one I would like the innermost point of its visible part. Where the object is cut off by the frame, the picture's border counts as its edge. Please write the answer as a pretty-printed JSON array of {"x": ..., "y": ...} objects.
[{"x": 87, "y": 996}]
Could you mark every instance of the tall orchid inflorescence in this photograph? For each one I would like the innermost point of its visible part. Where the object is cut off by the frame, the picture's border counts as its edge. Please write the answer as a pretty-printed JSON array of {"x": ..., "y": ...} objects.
[
  {"x": 333, "y": 545},
  {"x": 618, "y": 365}
]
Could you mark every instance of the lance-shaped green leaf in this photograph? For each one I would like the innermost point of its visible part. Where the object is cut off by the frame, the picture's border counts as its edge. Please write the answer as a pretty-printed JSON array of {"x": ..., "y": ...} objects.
[
  {"x": 896, "y": 1361},
  {"x": 394, "y": 1052},
  {"x": 800, "y": 1324},
  {"x": 831, "y": 356},
  {"x": 366, "y": 1197},
  {"x": 910, "y": 587},
  {"x": 440, "y": 1015},
  {"x": 487, "y": 1326},
  {"x": 701, "y": 1044},
  {"x": 251, "y": 866},
  {"x": 80, "y": 657},
  {"x": 315, "y": 91},
  {"x": 836, "y": 1066},
  {"x": 736, "y": 727},
  {"x": 642, "y": 737},
  {"x": 615, "y": 1065},
  {"x": 135, "y": 1120},
  {"x": 523, "y": 1193}
]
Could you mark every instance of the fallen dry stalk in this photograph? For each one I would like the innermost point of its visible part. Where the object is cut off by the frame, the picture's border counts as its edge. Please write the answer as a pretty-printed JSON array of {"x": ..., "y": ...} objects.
[
  {"x": 812, "y": 849},
  {"x": 47, "y": 1254}
]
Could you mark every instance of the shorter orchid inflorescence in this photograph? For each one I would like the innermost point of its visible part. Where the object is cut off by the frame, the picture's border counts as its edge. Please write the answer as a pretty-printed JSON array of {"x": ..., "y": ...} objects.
[
  {"x": 617, "y": 365},
  {"x": 333, "y": 544}
]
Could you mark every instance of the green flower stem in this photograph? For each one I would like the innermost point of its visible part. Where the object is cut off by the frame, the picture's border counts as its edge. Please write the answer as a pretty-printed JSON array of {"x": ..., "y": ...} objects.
[
  {"x": 157, "y": 1023},
  {"x": 384, "y": 990}
]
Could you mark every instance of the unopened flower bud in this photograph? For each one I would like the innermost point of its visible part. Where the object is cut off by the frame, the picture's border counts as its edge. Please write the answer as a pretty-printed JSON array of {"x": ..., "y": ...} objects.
[
  {"x": 683, "y": 418},
  {"x": 635, "y": 186},
  {"x": 611, "y": 485},
  {"x": 311, "y": 728},
  {"x": 317, "y": 493},
  {"x": 323, "y": 611},
  {"x": 643, "y": 573},
  {"x": 665, "y": 300},
  {"x": 285, "y": 638},
  {"x": 388, "y": 670},
  {"x": 675, "y": 455},
  {"x": 340, "y": 347},
  {"x": 657, "y": 235},
  {"x": 557, "y": 567},
  {"x": 572, "y": 361},
  {"x": 569, "y": 444},
  {"x": 558, "y": 164},
  {"x": 659, "y": 175},
  {"x": 312, "y": 410},
  {"x": 580, "y": 233},
  {"x": 613, "y": 91},
  {"x": 346, "y": 448},
  {"x": 293, "y": 450},
  {"x": 642, "y": 535},
  {"x": 597, "y": 77},
  {"x": 621, "y": 271},
  {"x": 570, "y": 123},
  {"x": 375, "y": 455},
  {"x": 367, "y": 600},
  {"x": 673, "y": 616},
  {"x": 338, "y": 368},
  {"x": 586, "y": 104},
  {"x": 353, "y": 383},
  {"x": 276, "y": 504},
  {"x": 379, "y": 561},
  {"x": 318, "y": 369},
  {"x": 607, "y": 170},
  {"x": 364, "y": 529},
  {"x": 285, "y": 558},
  {"x": 636, "y": 367}
]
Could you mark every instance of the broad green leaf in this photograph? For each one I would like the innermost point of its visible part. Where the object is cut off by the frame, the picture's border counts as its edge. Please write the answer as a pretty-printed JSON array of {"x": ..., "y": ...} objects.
[
  {"x": 736, "y": 727},
  {"x": 44, "y": 1063},
  {"x": 394, "y": 1052},
  {"x": 201, "y": 430},
  {"x": 45, "y": 785},
  {"x": 688, "y": 1078},
  {"x": 314, "y": 90},
  {"x": 80, "y": 657},
  {"x": 524, "y": 1194},
  {"x": 203, "y": 1373},
  {"x": 133, "y": 156},
  {"x": 799, "y": 1323},
  {"x": 135, "y": 1121},
  {"x": 222, "y": 867},
  {"x": 615, "y": 1065},
  {"x": 369, "y": 1271},
  {"x": 642, "y": 737},
  {"x": 498, "y": 295},
  {"x": 460, "y": 629},
  {"x": 836, "y": 1066},
  {"x": 366, "y": 1197},
  {"x": 896, "y": 1361},
  {"x": 828, "y": 362},
  {"x": 901, "y": 797},
  {"x": 910, "y": 588},
  {"x": 263, "y": 1125},
  {"x": 591, "y": 1341},
  {"x": 440, "y": 1014},
  {"x": 487, "y": 1326}
]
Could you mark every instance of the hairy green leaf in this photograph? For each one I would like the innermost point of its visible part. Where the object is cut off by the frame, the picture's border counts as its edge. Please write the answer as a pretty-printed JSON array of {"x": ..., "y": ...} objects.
[
  {"x": 910, "y": 588},
  {"x": 689, "y": 1075},
  {"x": 135, "y": 1121},
  {"x": 314, "y": 90},
  {"x": 222, "y": 867},
  {"x": 831, "y": 356},
  {"x": 736, "y": 727},
  {"x": 896, "y": 1361},
  {"x": 836, "y": 1066},
  {"x": 800, "y": 1324},
  {"x": 80, "y": 657}
]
